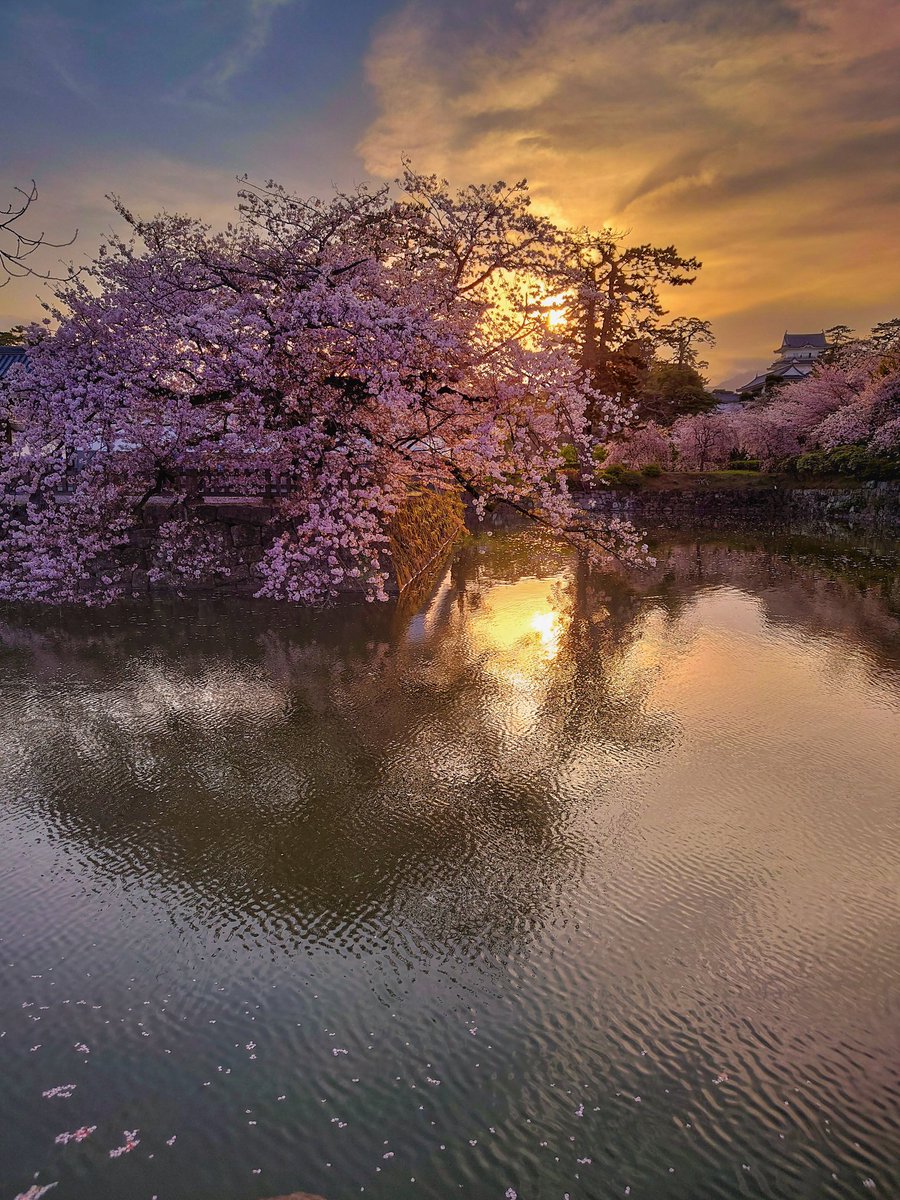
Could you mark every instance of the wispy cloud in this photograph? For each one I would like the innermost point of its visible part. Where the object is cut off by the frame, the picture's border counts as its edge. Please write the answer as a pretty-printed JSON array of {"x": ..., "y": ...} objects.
[
  {"x": 253, "y": 22},
  {"x": 761, "y": 135},
  {"x": 241, "y": 55},
  {"x": 46, "y": 47}
]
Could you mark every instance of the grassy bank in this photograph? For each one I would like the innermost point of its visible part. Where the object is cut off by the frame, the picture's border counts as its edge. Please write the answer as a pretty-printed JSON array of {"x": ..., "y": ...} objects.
[{"x": 732, "y": 480}]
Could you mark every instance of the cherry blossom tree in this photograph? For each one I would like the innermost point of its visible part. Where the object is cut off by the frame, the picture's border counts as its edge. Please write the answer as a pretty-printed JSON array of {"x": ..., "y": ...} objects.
[
  {"x": 351, "y": 346},
  {"x": 643, "y": 446},
  {"x": 703, "y": 441},
  {"x": 769, "y": 434},
  {"x": 871, "y": 416},
  {"x": 852, "y": 400}
]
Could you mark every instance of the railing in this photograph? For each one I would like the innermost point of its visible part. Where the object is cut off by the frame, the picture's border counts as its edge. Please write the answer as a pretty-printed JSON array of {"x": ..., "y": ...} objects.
[
  {"x": 254, "y": 481},
  {"x": 208, "y": 483}
]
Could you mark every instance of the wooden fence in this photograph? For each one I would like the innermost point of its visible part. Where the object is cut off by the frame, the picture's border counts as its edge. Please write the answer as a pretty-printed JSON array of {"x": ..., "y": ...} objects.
[{"x": 210, "y": 482}]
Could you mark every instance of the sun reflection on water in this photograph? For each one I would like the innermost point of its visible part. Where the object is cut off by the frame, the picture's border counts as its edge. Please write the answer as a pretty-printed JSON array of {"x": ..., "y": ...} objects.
[
  {"x": 520, "y": 625},
  {"x": 549, "y": 628}
]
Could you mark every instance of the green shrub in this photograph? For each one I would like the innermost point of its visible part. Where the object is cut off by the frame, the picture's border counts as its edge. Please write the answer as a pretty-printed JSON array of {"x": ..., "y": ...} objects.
[
  {"x": 855, "y": 462},
  {"x": 599, "y": 454},
  {"x": 652, "y": 470},
  {"x": 743, "y": 464},
  {"x": 569, "y": 455},
  {"x": 620, "y": 476}
]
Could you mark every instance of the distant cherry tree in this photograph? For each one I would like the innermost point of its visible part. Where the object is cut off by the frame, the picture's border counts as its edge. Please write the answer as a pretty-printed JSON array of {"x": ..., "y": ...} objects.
[
  {"x": 703, "y": 441},
  {"x": 642, "y": 446},
  {"x": 852, "y": 401},
  {"x": 871, "y": 416},
  {"x": 850, "y": 398}
]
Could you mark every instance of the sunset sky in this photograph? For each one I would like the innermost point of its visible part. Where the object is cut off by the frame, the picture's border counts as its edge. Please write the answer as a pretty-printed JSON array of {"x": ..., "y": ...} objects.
[{"x": 762, "y": 136}]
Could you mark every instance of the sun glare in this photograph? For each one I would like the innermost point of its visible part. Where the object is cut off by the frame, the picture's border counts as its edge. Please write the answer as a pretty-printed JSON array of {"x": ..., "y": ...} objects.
[
  {"x": 555, "y": 311},
  {"x": 548, "y": 627}
]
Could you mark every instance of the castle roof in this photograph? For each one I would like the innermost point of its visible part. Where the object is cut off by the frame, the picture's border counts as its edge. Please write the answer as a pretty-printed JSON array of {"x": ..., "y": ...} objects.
[
  {"x": 788, "y": 368},
  {"x": 795, "y": 340}
]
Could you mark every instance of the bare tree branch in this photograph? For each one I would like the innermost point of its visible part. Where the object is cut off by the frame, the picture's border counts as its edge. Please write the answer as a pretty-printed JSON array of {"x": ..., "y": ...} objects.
[{"x": 17, "y": 247}]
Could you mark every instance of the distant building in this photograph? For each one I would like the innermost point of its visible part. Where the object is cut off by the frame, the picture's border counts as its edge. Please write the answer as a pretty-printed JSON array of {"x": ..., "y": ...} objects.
[
  {"x": 797, "y": 356},
  {"x": 10, "y": 356},
  {"x": 727, "y": 401}
]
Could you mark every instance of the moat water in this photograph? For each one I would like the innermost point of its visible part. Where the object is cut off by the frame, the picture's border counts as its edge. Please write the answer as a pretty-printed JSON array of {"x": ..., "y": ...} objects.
[{"x": 542, "y": 884}]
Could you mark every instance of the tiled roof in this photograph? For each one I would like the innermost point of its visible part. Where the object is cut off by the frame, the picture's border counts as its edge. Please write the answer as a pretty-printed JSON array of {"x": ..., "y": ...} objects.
[
  {"x": 758, "y": 381},
  {"x": 793, "y": 368},
  {"x": 789, "y": 365},
  {"x": 9, "y": 356},
  {"x": 805, "y": 339}
]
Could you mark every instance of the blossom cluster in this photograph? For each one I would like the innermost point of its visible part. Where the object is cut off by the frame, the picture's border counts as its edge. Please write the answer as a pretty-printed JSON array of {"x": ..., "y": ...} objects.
[
  {"x": 852, "y": 401},
  {"x": 354, "y": 346}
]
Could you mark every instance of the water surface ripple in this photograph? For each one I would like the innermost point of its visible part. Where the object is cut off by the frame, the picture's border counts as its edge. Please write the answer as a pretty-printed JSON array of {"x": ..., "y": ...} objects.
[{"x": 558, "y": 884}]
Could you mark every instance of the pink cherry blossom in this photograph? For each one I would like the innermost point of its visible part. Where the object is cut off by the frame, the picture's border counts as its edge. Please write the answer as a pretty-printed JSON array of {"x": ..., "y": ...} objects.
[
  {"x": 131, "y": 1142},
  {"x": 77, "y": 1135},
  {"x": 350, "y": 349}
]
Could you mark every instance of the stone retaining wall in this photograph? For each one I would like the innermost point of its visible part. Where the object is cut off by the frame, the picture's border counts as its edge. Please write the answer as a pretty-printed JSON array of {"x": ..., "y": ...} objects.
[
  {"x": 421, "y": 530},
  {"x": 868, "y": 507},
  {"x": 240, "y": 523},
  {"x": 428, "y": 523}
]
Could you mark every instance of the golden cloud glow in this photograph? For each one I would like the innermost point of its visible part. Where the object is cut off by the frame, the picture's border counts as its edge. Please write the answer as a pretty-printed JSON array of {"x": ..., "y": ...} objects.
[{"x": 760, "y": 135}]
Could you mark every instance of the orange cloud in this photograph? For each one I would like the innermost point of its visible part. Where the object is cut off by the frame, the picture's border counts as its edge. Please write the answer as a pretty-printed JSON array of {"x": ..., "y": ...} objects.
[{"x": 761, "y": 135}]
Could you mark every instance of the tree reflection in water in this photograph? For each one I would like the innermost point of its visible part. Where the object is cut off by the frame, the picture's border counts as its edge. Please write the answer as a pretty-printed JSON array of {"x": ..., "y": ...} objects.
[{"x": 367, "y": 776}]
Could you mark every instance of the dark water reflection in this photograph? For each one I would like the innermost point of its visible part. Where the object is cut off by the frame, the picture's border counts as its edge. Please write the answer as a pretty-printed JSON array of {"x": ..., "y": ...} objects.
[{"x": 612, "y": 858}]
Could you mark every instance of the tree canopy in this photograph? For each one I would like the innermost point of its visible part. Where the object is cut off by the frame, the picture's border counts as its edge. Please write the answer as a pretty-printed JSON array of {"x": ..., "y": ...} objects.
[
  {"x": 853, "y": 402},
  {"x": 682, "y": 335},
  {"x": 352, "y": 346},
  {"x": 670, "y": 391},
  {"x": 612, "y": 303}
]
